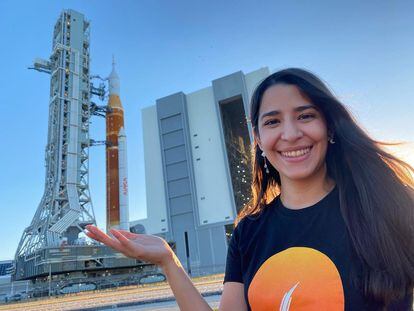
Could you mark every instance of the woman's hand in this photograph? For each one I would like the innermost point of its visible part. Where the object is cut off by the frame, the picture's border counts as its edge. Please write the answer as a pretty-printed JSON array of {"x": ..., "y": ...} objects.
[
  {"x": 153, "y": 249},
  {"x": 144, "y": 247}
]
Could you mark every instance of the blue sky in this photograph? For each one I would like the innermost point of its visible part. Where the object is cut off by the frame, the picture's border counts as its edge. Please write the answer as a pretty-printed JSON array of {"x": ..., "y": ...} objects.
[{"x": 363, "y": 49}]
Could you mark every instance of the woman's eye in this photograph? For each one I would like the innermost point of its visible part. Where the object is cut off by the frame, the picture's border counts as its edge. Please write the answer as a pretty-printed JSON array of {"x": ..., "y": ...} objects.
[
  {"x": 271, "y": 122},
  {"x": 307, "y": 116}
]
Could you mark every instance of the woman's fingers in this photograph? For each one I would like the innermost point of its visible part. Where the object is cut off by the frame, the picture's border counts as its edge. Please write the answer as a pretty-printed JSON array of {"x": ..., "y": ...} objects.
[
  {"x": 139, "y": 246},
  {"x": 121, "y": 241},
  {"x": 90, "y": 233},
  {"x": 95, "y": 230},
  {"x": 119, "y": 236},
  {"x": 128, "y": 234},
  {"x": 96, "y": 234}
]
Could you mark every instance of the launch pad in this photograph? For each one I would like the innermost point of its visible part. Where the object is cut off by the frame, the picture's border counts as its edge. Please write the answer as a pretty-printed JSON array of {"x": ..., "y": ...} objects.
[
  {"x": 75, "y": 268},
  {"x": 54, "y": 261}
]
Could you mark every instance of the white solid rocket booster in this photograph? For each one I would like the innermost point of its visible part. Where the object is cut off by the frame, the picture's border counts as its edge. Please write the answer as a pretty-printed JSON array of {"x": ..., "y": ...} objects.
[{"x": 123, "y": 181}]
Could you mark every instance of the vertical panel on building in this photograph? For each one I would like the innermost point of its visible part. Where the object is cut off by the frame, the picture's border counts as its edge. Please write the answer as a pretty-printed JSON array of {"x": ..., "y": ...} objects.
[
  {"x": 252, "y": 80},
  {"x": 214, "y": 199},
  {"x": 231, "y": 102},
  {"x": 178, "y": 175},
  {"x": 156, "y": 221}
]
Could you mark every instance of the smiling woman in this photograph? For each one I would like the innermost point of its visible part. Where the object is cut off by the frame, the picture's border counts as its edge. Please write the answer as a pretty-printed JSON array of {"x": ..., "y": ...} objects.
[{"x": 326, "y": 197}]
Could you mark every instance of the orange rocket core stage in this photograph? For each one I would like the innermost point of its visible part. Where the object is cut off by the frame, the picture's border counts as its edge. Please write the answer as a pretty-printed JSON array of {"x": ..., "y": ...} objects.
[{"x": 114, "y": 122}]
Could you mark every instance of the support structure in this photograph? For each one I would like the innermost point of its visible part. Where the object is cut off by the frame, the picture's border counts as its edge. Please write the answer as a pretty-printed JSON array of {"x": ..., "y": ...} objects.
[
  {"x": 66, "y": 206},
  {"x": 53, "y": 243}
]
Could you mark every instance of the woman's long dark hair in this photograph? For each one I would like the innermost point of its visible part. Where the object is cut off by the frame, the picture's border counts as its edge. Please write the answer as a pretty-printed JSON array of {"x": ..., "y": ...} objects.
[{"x": 375, "y": 189}]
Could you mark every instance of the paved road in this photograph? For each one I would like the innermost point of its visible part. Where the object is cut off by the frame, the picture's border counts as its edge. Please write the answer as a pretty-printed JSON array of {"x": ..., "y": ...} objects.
[
  {"x": 213, "y": 301},
  {"x": 127, "y": 298}
]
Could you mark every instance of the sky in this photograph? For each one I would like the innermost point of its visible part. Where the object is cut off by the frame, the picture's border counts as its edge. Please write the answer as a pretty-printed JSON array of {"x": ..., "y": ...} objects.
[{"x": 362, "y": 49}]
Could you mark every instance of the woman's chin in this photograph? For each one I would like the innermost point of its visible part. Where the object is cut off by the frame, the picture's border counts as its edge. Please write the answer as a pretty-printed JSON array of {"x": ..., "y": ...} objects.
[{"x": 298, "y": 174}]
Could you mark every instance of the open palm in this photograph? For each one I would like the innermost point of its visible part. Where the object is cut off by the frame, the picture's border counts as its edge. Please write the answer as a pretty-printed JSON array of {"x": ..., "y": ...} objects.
[{"x": 144, "y": 247}]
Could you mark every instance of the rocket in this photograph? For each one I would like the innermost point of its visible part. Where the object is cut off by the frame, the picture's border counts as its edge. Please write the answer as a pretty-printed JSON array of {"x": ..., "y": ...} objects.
[{"x": 117, "y": 214}]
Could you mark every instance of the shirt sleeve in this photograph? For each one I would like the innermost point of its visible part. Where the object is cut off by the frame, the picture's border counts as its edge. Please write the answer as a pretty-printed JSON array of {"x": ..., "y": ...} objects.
[{"x": 233, "y": 263}]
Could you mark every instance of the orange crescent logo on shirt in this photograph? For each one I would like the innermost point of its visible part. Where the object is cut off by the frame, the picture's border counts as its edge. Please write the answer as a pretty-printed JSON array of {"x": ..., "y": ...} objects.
[{"x": 298, "y": 278}]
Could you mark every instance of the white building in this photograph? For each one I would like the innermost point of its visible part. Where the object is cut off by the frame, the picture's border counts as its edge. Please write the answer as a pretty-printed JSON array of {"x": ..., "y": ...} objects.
[{"x": 197, "y": 168}]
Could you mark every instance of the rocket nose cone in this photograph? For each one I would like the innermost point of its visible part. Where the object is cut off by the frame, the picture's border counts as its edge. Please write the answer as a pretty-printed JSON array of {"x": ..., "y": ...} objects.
[{"x": 113, "y": 81}]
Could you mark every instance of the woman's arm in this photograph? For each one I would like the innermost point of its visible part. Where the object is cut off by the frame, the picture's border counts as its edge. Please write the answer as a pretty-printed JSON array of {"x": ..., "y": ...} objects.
[
  {"x": 187, "y": 296},
  {"x": 233, "y": 297}
]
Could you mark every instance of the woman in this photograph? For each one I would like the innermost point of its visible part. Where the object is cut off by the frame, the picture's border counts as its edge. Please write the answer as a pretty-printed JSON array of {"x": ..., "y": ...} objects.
[{"x": 340, "y": 233}]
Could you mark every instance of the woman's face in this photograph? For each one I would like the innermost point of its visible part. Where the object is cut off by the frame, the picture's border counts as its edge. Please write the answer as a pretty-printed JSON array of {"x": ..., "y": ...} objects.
[{"x": 293, "y": 133}]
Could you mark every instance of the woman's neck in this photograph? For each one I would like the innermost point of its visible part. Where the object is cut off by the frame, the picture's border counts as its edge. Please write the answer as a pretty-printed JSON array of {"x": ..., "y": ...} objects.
[{"x": 297, "y": 194}]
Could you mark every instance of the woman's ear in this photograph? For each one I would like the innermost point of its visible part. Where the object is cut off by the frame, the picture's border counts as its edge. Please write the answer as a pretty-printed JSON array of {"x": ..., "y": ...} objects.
[{"x": 257, "y": 139}]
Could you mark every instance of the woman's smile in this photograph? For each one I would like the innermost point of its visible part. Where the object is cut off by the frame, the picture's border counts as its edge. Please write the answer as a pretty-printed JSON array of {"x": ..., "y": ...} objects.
[{"x": 296, "y": 154}]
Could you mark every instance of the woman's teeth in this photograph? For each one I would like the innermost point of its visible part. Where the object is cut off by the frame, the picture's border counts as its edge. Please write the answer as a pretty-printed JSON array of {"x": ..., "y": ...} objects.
[{"x": 296, "y": 153}]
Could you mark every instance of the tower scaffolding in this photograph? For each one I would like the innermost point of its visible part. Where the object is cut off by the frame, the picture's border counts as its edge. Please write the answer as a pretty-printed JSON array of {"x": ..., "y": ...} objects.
[
  {"x": 66, "y": 206},
  {"x": 53, "y": 243}
]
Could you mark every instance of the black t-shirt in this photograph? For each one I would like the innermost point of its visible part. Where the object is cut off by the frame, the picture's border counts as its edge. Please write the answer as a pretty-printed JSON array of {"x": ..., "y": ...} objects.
[{"x": 298, "y": 260}]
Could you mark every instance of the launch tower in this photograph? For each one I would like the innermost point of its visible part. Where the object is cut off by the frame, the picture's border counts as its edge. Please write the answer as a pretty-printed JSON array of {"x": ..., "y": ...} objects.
[
  {"x": 52, "y": 243},
  {"x": 66, "y": 207}
]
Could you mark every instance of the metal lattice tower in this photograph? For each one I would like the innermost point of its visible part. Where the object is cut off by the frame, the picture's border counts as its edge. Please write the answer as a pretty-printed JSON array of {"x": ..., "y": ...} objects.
[{"x": 66, "y": 207}]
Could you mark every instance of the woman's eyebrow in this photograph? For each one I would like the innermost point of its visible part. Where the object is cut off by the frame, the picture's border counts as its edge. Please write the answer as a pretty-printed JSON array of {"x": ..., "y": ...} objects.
[
  {"x": 296, "y": 109},
  {"x": 270, "y": 113},
  {"x": 301, "y": 108}
]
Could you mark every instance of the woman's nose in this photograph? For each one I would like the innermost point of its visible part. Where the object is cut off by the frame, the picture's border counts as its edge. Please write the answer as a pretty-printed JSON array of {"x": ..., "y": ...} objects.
[{"x": 290, "y": 131}]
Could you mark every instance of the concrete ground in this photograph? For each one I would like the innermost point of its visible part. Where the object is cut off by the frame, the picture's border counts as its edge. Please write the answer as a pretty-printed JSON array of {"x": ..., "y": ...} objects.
[
  {"x": 213, "y": 302},
  {"x": 123, "y": 297}
]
